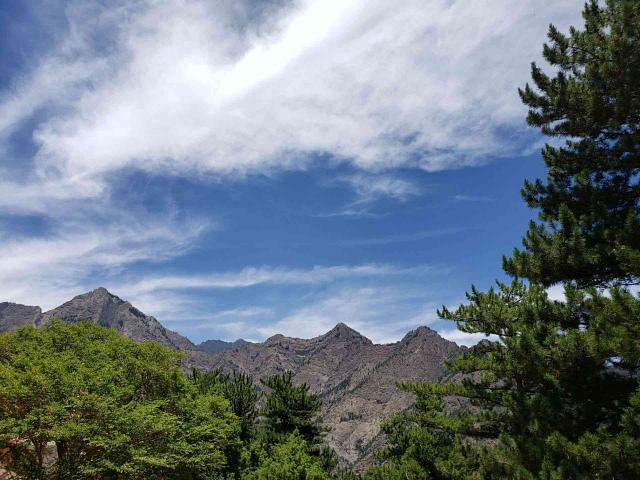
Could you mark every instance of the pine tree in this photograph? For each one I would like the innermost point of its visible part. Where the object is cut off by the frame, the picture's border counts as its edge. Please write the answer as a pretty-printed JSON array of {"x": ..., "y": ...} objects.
[
  {"x": 291, "y": 407},
  {"x": 590, "y": 230},
  {"x": 558, "y": 396},
  {"x": 243, "y": 396}
]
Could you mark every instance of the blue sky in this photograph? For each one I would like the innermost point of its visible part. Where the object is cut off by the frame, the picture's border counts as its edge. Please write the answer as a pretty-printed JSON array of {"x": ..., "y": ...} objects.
[{"x": 240, "y": 169}]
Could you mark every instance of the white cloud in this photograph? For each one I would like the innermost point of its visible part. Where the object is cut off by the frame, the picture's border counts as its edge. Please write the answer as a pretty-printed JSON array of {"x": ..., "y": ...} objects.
[
  {"x": 378, "y": 84},
  {"x": 463, "y": 338},
  {"x": 50, "y": 197},
  {"x": 370, "y": 188},
  {"x": 75, "y": 256},
  {"x": 251, "y": 276},
  {"x": 556, "y": 292},
  {"x": 228, "y": 324},
  {"x": 471, "y": 198}
]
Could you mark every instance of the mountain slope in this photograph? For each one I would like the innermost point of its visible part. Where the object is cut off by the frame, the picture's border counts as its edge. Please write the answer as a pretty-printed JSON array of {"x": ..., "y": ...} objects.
[
  {"x": 14, "y": 315},
  {"x": 217, "y": 346},
  {"x": 106, "y": 309},
  {"x": 355, "y": 378},
  {"x": 356, "y": 415}
]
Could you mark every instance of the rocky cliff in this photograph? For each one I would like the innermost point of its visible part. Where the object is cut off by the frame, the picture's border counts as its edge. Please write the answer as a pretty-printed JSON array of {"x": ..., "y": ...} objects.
[
  {"x": 14, "y": 315},
  {"x": 355, "y": 378}
]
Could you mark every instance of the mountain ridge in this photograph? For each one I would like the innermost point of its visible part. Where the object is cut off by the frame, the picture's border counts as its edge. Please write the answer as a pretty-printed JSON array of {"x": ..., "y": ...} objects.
[{"x": 355, "y": 378}]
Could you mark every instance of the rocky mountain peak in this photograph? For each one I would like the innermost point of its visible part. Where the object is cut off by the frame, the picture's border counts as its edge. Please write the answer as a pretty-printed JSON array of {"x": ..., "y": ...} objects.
[
  {"x": 421, "y": 333},
  {"x": 104, "y": 308},
  {"x": 100, "y": 291},
  {"x": 344, "y": 333},
  {"x": 275, "y": 339},
  {"x": 99, "y": 294},
  {"x": 99, "y": 306}
]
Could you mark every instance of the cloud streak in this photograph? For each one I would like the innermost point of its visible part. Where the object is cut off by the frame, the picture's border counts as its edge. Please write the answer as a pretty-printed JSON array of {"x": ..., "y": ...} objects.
[
  {"x": 378, "y": 85},
  {"x": 71, "y": 258},
  {"x": 252, "y": 276}
]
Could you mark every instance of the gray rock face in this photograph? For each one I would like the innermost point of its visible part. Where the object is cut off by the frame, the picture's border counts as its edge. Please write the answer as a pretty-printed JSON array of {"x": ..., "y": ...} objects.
[
  {"x": 217, "y": 346},
  {"x": 14, "y": 315},
  {"x": 105, "y": 309}
]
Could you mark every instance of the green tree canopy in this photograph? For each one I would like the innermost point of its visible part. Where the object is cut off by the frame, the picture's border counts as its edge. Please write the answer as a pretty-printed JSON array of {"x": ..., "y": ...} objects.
[
  {"x": 290, "y": 460},
  {"x": 238, "y": 388},
  {"x": 291, "y": 407},
  {"x": 114, "y": 408},
  {"x": 590, "y": 230}
]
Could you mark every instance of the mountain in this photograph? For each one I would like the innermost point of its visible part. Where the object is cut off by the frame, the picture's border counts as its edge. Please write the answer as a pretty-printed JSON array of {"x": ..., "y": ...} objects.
[
  {"x": 355, "y": 377},
  {"x": 217, "y": 346},
  {"x": 106, "y": 309},
  {"x": 102, "y": 307}
]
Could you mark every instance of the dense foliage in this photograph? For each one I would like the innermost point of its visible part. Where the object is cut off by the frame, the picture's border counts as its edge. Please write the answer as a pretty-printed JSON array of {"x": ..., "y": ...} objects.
[
  {"x": 114, "y": 408},
  {"x": 557, "y": 397},
  {"x": 590, "y": 230},
  {"x": 80, "y": 401},
  {"x": 290, "y": 408}
]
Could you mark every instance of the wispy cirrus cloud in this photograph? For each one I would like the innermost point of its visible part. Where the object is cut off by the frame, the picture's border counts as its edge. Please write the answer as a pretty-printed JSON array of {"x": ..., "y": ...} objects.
[
  {"x": 251, "y": 276},
  {"x": 73, "y": 257},
  {"x": 471, "y": 198},
  {"x": 391, "y": 239},
  {"x": 370, "y": 188},
  {"x": 378, "y": 85}
]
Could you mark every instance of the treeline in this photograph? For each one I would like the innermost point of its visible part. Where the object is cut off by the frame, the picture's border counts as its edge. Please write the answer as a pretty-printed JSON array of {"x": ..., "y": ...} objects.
[{"x": 555, "y": 396}]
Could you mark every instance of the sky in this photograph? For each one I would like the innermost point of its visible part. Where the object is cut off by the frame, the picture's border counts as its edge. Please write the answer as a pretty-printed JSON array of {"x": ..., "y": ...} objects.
[{"x": 244, "y": 168}]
